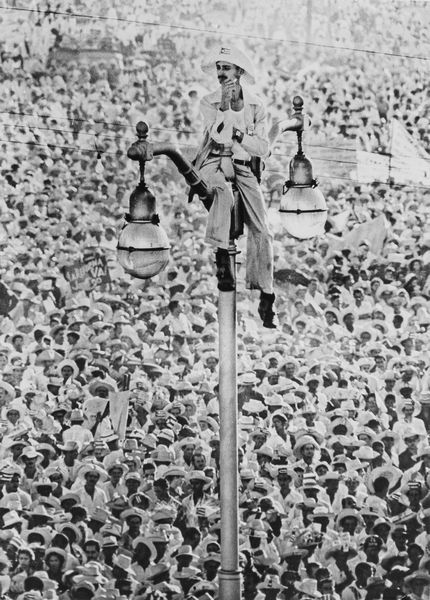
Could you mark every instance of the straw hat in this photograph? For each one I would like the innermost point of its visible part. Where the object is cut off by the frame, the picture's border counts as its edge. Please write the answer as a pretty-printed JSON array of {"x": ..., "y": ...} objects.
[
  {"x": 271, "y": 582},
  {"x": 303, "y": 441},
  {"x": 56, "y": 551},
  {"x": 390, "y": 473},
  {"x": 198, "y": 475},
  {"x": 417, "y": 576},
  {"x": 186, "y": 550},
  {"x": 93, "y": 468},
  {"x": 308, "y": 587}
]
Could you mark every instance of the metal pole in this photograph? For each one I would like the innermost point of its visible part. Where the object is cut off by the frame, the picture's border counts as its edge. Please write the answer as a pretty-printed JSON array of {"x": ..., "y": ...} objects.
[
  {"x": 229, "y": 574},
  {"x": 309, "y": 10}
]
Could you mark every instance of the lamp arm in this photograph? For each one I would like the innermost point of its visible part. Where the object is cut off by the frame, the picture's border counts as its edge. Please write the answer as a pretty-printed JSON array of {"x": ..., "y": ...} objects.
[
  {"x": 299, "y": 121},
  {"x": 143, "y": 151},
  {"x": 187, "y": 170},
  {"x": 296, "y": 123}
]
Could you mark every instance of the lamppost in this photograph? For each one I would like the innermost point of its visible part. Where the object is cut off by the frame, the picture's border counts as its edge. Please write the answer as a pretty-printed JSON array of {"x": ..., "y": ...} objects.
[{"x": 143, "y": 250}]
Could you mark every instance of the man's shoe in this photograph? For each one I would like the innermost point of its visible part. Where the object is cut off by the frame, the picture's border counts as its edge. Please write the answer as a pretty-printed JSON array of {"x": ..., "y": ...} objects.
[
  {"x": 269, "y": 321},
  {"x": 265, "y": 310},
  {"x": 224, "y": 273}
]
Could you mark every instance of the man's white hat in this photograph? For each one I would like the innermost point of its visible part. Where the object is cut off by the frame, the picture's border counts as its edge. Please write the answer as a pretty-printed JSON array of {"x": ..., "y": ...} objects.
[{"x": 232, "y": 55}]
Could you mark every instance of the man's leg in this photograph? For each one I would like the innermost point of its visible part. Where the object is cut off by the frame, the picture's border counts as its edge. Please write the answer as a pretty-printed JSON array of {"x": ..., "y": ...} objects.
[
  {"x": 219, "y": 219},
  {"x": 259, "y": 256}
]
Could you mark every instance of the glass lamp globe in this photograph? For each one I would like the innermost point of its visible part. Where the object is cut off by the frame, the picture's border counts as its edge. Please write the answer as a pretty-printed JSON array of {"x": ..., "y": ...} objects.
[
  {"x": 143, "y": 249},
  {"x": 303, "y": 208},
  {"x": 303, "y": 212},
  {"x": 143, "y": 246}
]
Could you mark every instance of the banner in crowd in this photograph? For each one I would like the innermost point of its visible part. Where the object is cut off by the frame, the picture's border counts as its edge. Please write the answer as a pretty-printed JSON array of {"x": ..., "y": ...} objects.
[
  {"x": 372, "y": 167},
  {"x": 403, "y": 145},
  {"x": 87, "y": 274},
  {"x": 374, "y": 232},
  {"x": 115, "y": 407},
  {"x": 339, "y": 222},
  {"x": 408, "y": 162},
  {"x": 118, "y": 411}
]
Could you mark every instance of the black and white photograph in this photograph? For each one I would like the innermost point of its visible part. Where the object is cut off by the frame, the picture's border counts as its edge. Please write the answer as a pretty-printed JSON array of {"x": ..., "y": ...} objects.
[{"x": 215, "y": 300}]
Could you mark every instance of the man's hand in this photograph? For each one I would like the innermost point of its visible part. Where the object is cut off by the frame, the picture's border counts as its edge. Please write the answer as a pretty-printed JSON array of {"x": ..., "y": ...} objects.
[
  {"x": 230, "y": 95},
  {"x": 236, "y": 98},
  {"x": 227, "y": 88}
]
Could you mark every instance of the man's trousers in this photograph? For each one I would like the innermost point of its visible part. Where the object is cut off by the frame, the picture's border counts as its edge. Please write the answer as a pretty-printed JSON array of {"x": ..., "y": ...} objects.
[{"x": 259, "y": 259}]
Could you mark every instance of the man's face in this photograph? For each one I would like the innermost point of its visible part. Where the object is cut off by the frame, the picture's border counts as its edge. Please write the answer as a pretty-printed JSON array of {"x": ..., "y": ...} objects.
[
  {"x": 59, "y": 337},
  {"x": 389, "y": 384},
  {"x": 13, "y": 485},
  {"x": 380, "y": 362},
  {"x": 149, "y": 473},
  {"x": 92, "y": 478},
  {"x": 13, "y": 416},
  {"x": 407, "y": 375},
  {"x": 414, "y": 496},
  {"x": 102, "y": 392},
  {"x": 199, "y": 461},
  {"x": 134, "y": 522},
  {"x": 349, "y": 524},
  {"x": 188, "y": 452},
  {"x": 91, "y": 552},
  {"x": 18, "y": 342},
  {"x": 115, "y": 474},
  {"x": 211, "y": 363},
  {"x": 408, "y": 411},
  {"x": 309, "y": 418},
  {"x": 412, "y": 444},
  {"x": 284, "y": 480},
  {"x": 67, "y": 371},
  {"x": 226, "y": 72},
  {"x": 313, "y": 385},
  {"x": 372, "y": 548},
  {"x": 23, "y": 560},
  {"x": 289, "y": 369},
  {"x": 279, "y": 424},
  {"x": 308, "y": 451}
]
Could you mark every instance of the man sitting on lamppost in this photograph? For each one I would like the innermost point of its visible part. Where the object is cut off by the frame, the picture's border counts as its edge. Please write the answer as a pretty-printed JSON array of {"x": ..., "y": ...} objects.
[{"x": 235, "y": 133}]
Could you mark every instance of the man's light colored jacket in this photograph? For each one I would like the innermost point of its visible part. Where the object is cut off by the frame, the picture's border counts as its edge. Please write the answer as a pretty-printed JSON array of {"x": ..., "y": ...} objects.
[{"x": 255, "y": 140}]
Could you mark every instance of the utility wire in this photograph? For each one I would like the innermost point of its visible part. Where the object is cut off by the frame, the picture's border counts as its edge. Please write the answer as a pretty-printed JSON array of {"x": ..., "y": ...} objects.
[
  {"x": 216, "y": 32},
  {"x": 180, "y": 144},
  {"x": 184, "y": 145},
  {"x": 31, "y": 143},
  {"x": 331, "y": 177},
  {"x": 394, "y": 184},
  {"x": 158, "y": 129}
]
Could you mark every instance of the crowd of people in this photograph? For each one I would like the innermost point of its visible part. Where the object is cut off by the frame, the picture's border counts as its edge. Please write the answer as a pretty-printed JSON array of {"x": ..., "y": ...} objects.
[{"x": 109, "y": 424}]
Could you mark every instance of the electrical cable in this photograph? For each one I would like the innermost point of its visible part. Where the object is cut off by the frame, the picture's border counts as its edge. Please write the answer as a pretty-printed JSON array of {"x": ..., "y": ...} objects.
[
  {"x": 217, "y": 32},
  {"x": 77, "y": 148},
  {"x": 158, "y": 129}
]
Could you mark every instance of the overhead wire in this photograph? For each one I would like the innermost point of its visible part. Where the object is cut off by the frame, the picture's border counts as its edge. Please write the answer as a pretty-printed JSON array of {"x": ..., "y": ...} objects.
[
  {"x": 216, "y": 32},
  {"x": 35, "y": 143},
  {"x": 99, "y": 150},
  {"x": 157, "y": 129},
  {"x": 394, "y": 184},
  {"x": 181, "y": 143},
  {"x": 330, "y": 177}
]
